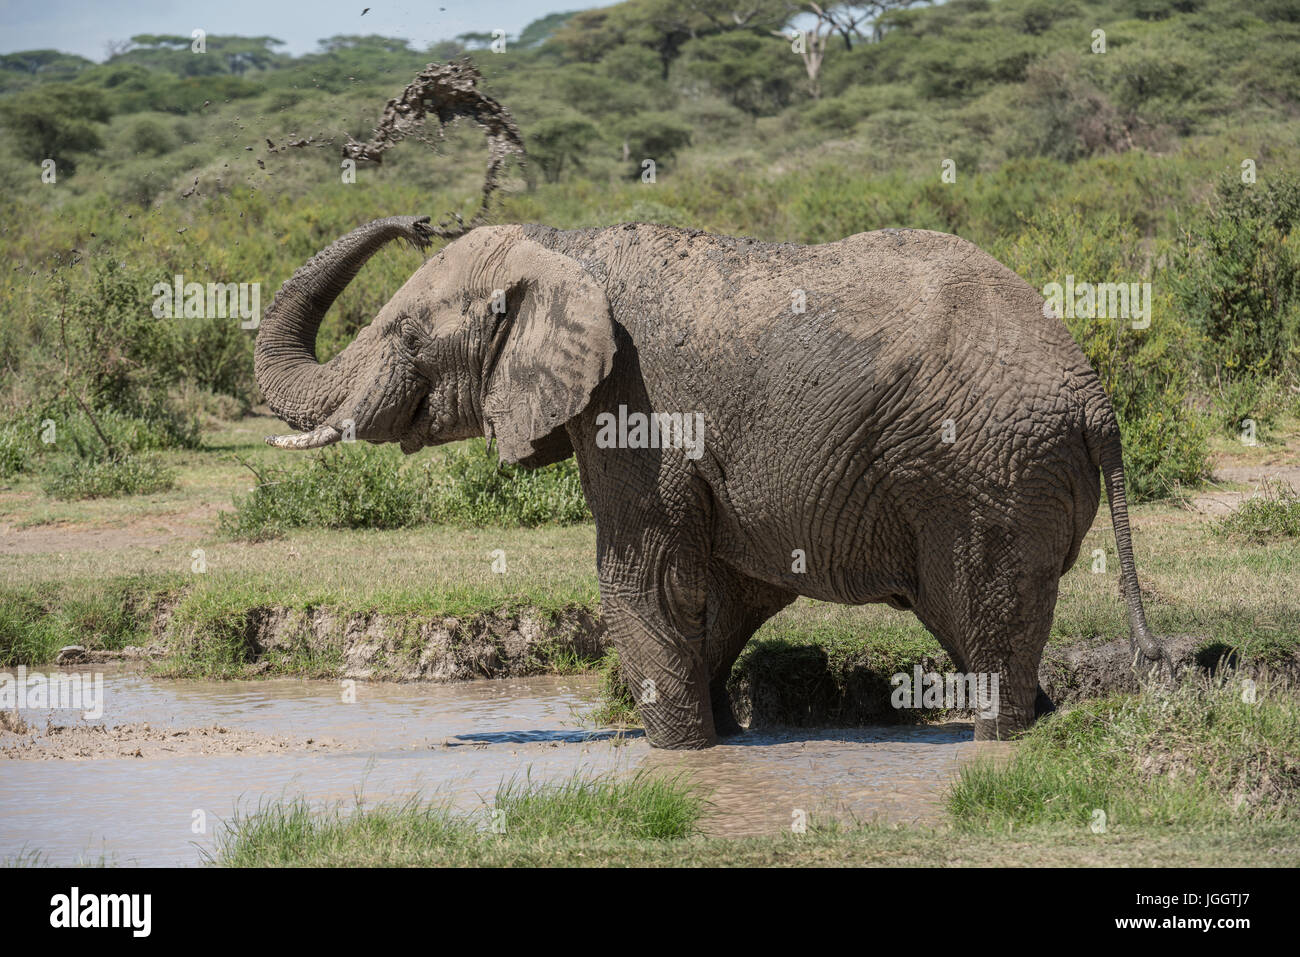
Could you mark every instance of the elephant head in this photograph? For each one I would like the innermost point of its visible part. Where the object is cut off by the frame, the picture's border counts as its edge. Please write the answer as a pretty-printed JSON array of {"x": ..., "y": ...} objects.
[{"x": 496, "y": 336}]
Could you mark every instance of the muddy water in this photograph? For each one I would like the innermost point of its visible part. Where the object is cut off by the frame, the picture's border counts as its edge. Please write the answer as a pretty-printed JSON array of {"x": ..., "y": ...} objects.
[{"x": 396, "y": 740}]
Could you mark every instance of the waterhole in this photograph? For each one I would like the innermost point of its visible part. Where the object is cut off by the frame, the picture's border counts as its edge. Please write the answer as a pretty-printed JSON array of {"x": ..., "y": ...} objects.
[{"x": 149, "y": 781}]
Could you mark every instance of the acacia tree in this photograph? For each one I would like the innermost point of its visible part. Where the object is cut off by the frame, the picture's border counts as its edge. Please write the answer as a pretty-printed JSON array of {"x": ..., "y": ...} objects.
[
  {"x": 811, "y": 45},
  {"x": 848, "y": 19}
]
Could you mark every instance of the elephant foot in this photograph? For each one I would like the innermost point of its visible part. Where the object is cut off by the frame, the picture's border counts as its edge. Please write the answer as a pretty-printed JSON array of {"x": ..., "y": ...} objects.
[
  {"x": 1008, "y": 723},
  {"x": 682, "y": 744},
  {"x": 679, "y": 735}
]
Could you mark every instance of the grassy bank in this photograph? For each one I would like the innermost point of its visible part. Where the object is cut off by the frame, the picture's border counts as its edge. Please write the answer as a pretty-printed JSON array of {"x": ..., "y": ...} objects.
[
  {"x": 866, "y": 846},
  {"x": 1195, "y": 775}
]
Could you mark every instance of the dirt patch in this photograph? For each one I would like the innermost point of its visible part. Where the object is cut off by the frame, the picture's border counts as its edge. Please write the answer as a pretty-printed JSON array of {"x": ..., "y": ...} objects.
[
  {"x": 156, "y": 532},
  {"x": 1256, "y": 474},
  {"x": 83, "y": 742},
  {"x": 1218, "y": 502}
]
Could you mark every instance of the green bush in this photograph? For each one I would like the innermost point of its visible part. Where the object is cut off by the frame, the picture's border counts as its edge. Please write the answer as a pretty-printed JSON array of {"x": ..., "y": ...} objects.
[
  {"x": 560, "y": 142},
  {"x": 469, "y": 487},
  {"x": 148, "y": 136},
  {"x": 70, "y": 453},
  {"x": 352, "y": 486},
  {"x": 104, "y": 349},
  {"x": 1251, "y": 396},
  {"x": 71, "y": 477},
  {"x": 1239, "y": 279},
  {"x": 74, "y": 432},
  {"x": 756, "y": 74},
  {"x": 1271, "y": 515},
  {"x": 54, "y": 121},
  {"x": 656, "y": 136},
  {"x": 16, "y": 450},
  {"x": 358, "y": 486}
]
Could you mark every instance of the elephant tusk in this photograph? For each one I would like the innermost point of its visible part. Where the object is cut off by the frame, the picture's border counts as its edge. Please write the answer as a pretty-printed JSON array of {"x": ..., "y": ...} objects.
[{"x": 317, "y": 438}]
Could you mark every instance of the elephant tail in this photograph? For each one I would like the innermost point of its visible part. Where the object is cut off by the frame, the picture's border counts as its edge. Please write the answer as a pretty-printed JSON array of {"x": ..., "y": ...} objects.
[{"x": 1103, "y": 439}]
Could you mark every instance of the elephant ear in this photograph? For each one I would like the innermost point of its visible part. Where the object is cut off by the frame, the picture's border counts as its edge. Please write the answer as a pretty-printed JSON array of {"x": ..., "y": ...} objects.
[{"x": 554, "y": 345}]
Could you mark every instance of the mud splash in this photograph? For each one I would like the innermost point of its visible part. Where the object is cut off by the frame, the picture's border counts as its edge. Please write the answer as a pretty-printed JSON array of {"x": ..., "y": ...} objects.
[
  {"x": 446, "y": 92},
  {"x": 457, "y": 741}
]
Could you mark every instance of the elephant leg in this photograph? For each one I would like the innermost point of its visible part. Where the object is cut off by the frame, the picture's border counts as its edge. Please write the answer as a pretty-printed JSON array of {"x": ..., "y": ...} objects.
[
  {"x": 737, "y": 607},
  {"x": 652, "y": 543},
  {"x": 991, "y": 605}
]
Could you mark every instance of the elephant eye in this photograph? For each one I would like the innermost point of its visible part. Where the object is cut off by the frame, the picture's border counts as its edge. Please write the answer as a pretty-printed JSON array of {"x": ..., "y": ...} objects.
[{"x": 411, "y": 337}]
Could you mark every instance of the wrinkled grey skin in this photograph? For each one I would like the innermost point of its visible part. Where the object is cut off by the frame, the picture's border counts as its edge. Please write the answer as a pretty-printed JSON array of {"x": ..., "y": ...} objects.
[{"x": 824, "y": 430}]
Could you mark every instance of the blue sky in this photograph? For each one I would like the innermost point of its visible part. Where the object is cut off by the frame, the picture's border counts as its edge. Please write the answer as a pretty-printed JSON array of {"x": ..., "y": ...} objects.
[{"x": 85, "y": 26}]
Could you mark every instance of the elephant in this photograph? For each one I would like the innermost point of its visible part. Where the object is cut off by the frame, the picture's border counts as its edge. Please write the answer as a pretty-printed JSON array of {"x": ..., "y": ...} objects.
[{"x": 895, "y": 417}]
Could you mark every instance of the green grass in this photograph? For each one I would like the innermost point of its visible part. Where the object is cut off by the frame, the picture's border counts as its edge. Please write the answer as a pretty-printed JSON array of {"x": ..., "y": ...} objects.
[
  {"x": 1272, "y": 515},
  {"x": 137, "y": 474},
  {"x": 524, "y": 815},
  {"x": 36, "y": 620},
  {"x": 616, "y": 707},
  {"x": 866, "y": 846},
  {"x": 1205, "y": 753}
]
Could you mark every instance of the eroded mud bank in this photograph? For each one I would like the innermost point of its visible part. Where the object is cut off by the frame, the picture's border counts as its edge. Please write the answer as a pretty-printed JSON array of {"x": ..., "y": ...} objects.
[{"x": 775, "y": 684}]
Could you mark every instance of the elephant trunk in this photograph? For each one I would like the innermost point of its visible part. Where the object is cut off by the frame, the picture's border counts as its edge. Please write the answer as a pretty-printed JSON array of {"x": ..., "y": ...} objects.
[{"x": 299, "y": 389}]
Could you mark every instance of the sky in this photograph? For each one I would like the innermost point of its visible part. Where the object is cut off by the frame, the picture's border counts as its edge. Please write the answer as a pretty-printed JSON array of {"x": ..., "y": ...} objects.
[{"x": 86, "y": 26}]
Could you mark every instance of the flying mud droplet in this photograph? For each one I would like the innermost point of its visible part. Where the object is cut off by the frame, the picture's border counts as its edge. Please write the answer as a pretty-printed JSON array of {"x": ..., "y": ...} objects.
[{"x": 447, "y": 92}]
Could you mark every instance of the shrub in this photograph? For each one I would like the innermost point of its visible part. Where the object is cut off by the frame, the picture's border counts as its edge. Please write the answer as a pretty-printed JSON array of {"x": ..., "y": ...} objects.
[
  {"x": 367, "y": 487},
  {"x": 148, "y": 136},
  {"x": 756, "y": 74},
  {"x": 74, "y": 477},
  {"x": 1240, "y": 279},
  {"x": 1250, "y": 396},
  {"x": 113, "y": 355},
  {"x": 1271, "y": 515},
  {"x": 342, "y": 487},
  {"x": 469, "y": 487},
  {"x": 53, "y": 121},
  {"x": 15, "y": 451},
  {"x": 1065, "y": 116},
  {"x": 78, "y": 458},
  {"x": 559, "y": 142},
  {"x": 656, "y": 136}
]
